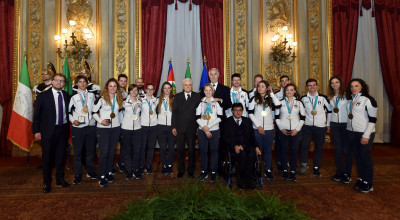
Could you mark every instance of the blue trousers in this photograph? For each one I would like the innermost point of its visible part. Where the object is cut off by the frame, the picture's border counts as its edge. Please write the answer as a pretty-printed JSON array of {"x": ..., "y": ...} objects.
[
  {"x": 108, "y": 140},
  {"x": 343, "y": 151},
  {"x": 149, "y": 135},
  {"x": 131, "y": 142},
  {"x": 265, "y": 144},
  {"x": 81, "y": 137},
  {"x": 310, "y": 132},
  {"x": 362, "y": 153},
  {"x": 213, "y": 143},
  {"x": 166, "y": 140},
  {"x": 289, "y": 144}
]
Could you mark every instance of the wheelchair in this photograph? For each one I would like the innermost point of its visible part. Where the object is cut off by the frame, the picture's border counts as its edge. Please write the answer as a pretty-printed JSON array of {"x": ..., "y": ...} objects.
[{"x": 228, "y": 166}]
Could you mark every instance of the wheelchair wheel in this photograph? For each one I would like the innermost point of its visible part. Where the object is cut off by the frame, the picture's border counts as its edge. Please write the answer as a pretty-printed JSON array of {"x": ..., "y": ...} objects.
[{"x": 258, "y": 174}]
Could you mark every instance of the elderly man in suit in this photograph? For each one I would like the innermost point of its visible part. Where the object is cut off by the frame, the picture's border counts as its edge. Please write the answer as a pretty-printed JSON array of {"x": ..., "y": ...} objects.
[
  {"x": 50, "y": 126},
  {"x": 184, "y": 125},
  {"x": 239, "y": 135}
]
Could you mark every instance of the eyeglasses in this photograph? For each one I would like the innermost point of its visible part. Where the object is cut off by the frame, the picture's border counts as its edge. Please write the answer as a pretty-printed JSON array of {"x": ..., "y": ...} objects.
[
  {"x": 59, "y": 80},
  {"x": 150, "y": 89}
]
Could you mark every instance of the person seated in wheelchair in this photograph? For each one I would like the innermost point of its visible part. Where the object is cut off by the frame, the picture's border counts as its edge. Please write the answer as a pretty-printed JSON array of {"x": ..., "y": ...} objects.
[{"x": 239, "y": 135}]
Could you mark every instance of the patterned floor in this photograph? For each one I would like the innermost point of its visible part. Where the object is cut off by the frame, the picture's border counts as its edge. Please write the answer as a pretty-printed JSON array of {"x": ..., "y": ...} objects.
[{"x": 21, "y": 196}]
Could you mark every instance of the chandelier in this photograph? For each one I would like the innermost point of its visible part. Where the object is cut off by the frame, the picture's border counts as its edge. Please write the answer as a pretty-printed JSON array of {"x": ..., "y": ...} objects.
[{"x": 282, "y": 47}]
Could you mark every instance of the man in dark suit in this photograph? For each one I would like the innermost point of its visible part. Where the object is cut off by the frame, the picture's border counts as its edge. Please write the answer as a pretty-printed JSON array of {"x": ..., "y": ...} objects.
[
  {"x": 184, "y": 125},
  {"x": 50, "y": 126},
  {"x": 239, "y": 135}
]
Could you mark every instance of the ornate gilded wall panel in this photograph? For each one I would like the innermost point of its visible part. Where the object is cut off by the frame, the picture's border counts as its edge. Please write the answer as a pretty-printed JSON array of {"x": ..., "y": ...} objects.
[
  {"x": 138, "y": 39},
  {"x": 241, "y": 40},
  {"x": 35, "y": 38},
  {"x": 314, "y": 39},
  {"x": 121, "y": 39},
  {"x": 227, "y": 80},
  {"x": 16, "y": 56}
]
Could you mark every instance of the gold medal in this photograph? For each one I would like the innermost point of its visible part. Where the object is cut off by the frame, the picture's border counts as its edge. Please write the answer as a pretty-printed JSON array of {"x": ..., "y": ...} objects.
[
  {"x": 336, "y": 109},
  {"x": 151, "y": 112},
  {"x": 289, "y": 116},
  {"x": 112, "y": 115},
  {"x": 350, "y": 116},
  {"x": 208, "y": 117},
  {"x": 314, "y": 112},
  {"x": 85, "y": 110},
  {"x": 264, "y": 113},
  {"x": 134, "y": 117},
  {"x": 205, "y": 117}
]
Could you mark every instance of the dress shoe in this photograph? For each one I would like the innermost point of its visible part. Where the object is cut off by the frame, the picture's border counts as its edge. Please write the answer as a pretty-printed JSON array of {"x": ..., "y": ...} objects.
[
  {"x": 46, "y": 188},
  {"x": 63, "y": 183},
  {"x": 180, "y": 175}
]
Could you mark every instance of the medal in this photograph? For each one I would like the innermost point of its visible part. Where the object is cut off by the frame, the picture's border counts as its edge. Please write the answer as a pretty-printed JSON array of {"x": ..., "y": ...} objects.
[
  {"x": 289, "y": 116},
  {"x": 165, "y": 113},
  {"x": 314, "y": 112},
  {"x": 350, "y": 116},
  {"x": 151, "y": 112},
  {"x": 264, "y": 113},
  {"x": 112, "y": 115},
  {"x": 85, "y": 110},
  {"x": 134, "y": 117},
  {"x": 336, "y": 109}
]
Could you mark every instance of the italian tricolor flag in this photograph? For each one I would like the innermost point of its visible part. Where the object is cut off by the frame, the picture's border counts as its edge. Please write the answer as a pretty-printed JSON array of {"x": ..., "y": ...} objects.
[
  {"x": 171, "y": 78},
  {"x": 20, "y": 130}
]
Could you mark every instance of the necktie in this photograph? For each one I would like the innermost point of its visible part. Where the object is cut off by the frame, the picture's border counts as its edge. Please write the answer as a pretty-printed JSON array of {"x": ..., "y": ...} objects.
[
  {"x": 237, "y": 122},
  {"x": 60, "y": 109},
  {"x": 188, "y": 98}
]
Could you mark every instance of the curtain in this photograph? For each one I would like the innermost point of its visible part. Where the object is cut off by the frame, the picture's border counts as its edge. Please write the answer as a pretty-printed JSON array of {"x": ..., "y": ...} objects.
[
  {"x": 6, "y": 74},
  {"x": 183, "y": 40},
  {"x": 367, "y": 66},
  {"x": 211, "y": 26},
  {"x": 387, "y": 13},
  {"x": 344, "y": 30},
  {"x": 154, "y": 18}
]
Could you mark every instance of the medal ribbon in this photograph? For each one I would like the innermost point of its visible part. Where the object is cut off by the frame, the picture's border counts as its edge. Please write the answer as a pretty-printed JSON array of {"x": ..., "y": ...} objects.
[
  {"x": 315, "y": 103},
  {"x": 351, "y": 102},
  {"x": 83, "y": 99},
  {"x": 289, "y": 108},
  {"x": 113, "y": 103},
  {"x": 235, "y": 100},
  {"x": 337, "y": 101},
  {"x": 208, "y": 110},
  {"x": 165, "y": 104},
  {"x": 134, "y": 108},
  {"x": 264, "y": 105},
  {"x": 148, "y": 103}
]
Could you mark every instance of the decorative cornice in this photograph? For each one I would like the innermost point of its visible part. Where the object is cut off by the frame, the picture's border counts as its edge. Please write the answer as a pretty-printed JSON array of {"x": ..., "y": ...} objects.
[
  {"x": 314, "y": 39},
  {"x": 241, "y": 40},
  {"x": 121, "y": 38},
  {"x": 35, "y": 40}
]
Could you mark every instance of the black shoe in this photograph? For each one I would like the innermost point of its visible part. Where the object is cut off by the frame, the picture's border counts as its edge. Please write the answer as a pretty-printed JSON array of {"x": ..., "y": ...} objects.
[
  {"x": 180, "y": 175},
  {"x": 191, "y": 175},
  {"x": 113, "y": 171},
  {"x": 280, "y": 167},
  {"x": 164, "y": 170},
  {"x": 121, "y": 167},
  {"x": 129, "y": 175},
  {"x": 358, "y": 184},
  {"x": 149, "y": 170},
  {"x": 110, "y": 178},
  {"x": 141, "y": 170},
  {"x": 78, "y": 179},
  {"x": 103, "y": 182},
  {"x": 345, "y": 179},
  {"x": 316, "y": 172},
  {"x": 169, "y": 169},
  {"x": 47, "y": 188},
  {"x": 213, "y": 176},
  {"x": 93, "y": 176},
  {"x": 292, "y": 176},
  {"x": 137, "y": 174},
  {"x": 285, "y": 175},
  {"x": 365, "y": 187},
  {"x": 268, "y": 175},
  {"x": 203, "y": 176},
  {"x": 63, "y": 183},
  {"x": 337, "y": 177}
]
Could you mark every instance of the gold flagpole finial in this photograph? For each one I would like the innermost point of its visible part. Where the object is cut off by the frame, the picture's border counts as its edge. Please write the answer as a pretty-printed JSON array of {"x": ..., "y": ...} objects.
[
  {"x": 205, "y": 60},
  {"x": 188, "y": 60},
  {"x": 170, "y": 59}
]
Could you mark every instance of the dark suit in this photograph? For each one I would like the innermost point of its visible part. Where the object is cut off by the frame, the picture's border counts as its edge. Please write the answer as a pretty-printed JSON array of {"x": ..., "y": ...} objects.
[
  {"x": 184, "y": 121},
  {"x": 54, "y": 137},
  {"x": 234, "y": 135}
]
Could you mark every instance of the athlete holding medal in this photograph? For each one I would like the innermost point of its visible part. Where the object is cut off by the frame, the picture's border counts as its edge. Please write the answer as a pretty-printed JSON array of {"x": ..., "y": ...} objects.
[
  {"x": 208, "y": 116},
  {"x": 131, "y": 133}
]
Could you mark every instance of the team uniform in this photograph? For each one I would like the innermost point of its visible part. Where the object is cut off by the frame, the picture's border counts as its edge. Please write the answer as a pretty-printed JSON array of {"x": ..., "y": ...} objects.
[
  {"x": 314, "y": 127},
  {"x": 278, "y": 146},
  {"x": 107, "y": 136},
  {"x": 92, "y": 88},
  {"x": 238, "y": 97},
  {"x": 84, "y": 134},
  {"x": 251, "y": 94},
  {"x": 149, "y": 132},
  {"x": 289, "y": 116},
  {"x": 263, "y": 116},
  {"x": 361, "y": 124},
  {"x": 209, "y": 114},
  {"x": 338, "y": 124},
  {"x": 165, "y": 137},
  {"x": 131, "y": 137}
]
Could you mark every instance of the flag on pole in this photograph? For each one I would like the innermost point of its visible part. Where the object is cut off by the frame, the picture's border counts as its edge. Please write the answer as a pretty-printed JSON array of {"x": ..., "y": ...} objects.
[
  {"x": 204, "y": 75},
  {"x": 188, "y": 75},
  {"x": 171, "y": 77},
  {"x": 20, "y": 129},
  {"x": 68, "y": 85}
]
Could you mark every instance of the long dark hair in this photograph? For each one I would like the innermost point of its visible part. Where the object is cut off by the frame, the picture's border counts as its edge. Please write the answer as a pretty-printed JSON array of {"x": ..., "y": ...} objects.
[
  {"x": 162, "y": 95},
  {"x": 364, "y": 88},
  {"x": 296, "y": 94},
  {"x": 259, "y": 99},
  {"x": 342, "y": 90}
]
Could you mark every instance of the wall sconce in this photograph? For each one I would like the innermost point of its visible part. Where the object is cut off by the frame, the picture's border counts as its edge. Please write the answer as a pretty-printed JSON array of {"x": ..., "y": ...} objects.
[{"x": 282, "y": 49}]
